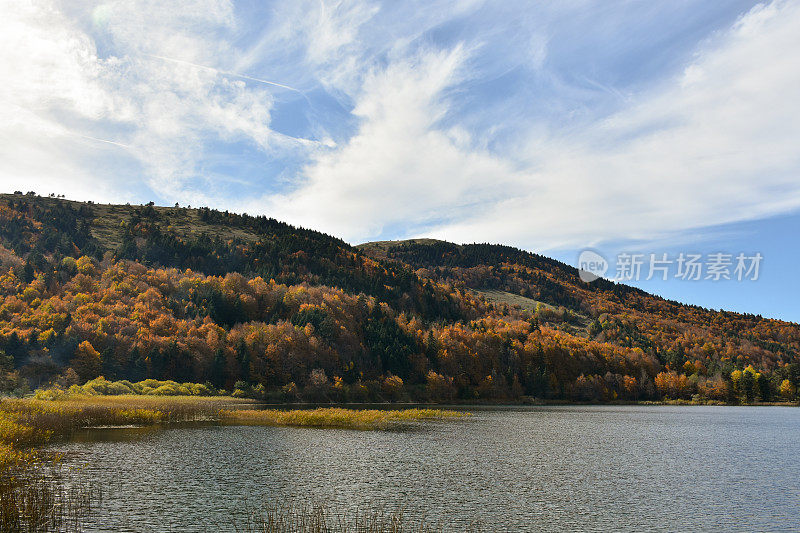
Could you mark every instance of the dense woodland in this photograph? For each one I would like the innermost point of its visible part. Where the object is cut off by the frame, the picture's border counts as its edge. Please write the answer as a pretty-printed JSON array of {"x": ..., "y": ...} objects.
[{"x": 265, "y": 309}]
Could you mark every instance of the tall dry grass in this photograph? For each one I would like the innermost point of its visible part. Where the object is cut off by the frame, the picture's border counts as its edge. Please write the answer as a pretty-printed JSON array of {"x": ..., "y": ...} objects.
[
  {"x": 40, "y": 496},
  {"x": 334, "y": 417},
  {"x": 30, "y": 422}
]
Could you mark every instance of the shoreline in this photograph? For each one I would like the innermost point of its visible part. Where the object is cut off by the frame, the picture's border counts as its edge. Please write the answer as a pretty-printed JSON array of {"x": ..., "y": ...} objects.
[{"x": 523, "y": 403}]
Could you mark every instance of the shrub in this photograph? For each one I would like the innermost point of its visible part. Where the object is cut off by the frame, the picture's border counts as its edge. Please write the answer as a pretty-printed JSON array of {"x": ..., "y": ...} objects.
[
  {"x": 393, "y": 387},
  {"x": 149, "y": 387},
  {"x": 439, "y": 387}
]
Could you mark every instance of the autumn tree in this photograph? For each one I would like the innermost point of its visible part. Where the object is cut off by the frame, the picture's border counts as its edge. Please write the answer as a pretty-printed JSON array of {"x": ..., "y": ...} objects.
[
  {"x": 87, "y": 361},
  {"x": 787, "y": 390}
]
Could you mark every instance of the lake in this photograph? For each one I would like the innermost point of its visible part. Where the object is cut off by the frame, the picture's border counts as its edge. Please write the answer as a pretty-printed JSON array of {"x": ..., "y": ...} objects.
[{"x": 596, "y": 468}]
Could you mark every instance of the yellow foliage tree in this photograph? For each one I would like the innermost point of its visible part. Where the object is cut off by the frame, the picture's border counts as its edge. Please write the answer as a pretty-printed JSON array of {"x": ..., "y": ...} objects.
[
  {"x": 85, "y": 265},
  {"x": 787, "y": 390},
  {"x": 393, "y": 387},
  {"x": 87, "y": 361}
]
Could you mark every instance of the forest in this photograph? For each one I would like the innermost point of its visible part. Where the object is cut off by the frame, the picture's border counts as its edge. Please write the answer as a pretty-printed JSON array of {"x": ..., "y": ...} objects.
[{"x": 258, "y": 307}]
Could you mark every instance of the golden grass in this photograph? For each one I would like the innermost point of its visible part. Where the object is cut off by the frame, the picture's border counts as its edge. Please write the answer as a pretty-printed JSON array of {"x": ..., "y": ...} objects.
[
  {"x": 36, "y": 494},
  {"x": 334, "y": 417},
  {"x": 31, "y": 422}
]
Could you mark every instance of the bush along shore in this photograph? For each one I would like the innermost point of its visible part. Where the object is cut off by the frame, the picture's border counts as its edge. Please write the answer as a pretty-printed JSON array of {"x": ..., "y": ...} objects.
[
  {"x": 37, "y": 494},
  {"x": 242, "y": 390}
]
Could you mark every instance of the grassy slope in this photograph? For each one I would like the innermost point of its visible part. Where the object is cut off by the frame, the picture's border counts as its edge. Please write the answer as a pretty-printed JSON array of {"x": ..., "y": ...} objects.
[
  {"x": 511, "y": 299},
  {"x": 106, "y": 226},
  {"x": 379, "y": 249}
]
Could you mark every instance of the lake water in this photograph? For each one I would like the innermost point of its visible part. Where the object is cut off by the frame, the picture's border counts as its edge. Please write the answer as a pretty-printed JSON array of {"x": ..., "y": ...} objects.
[{"x": 592, "y": 468}]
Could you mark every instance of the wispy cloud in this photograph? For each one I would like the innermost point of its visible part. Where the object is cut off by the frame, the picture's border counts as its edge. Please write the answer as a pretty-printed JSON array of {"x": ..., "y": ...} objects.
[
  {"x": 545, "y": 125},
  {"x": 399, "y": 167},
  {"x": 129, "y": 74},
  {"x": 224, "y": 72},
  {"x": 712, "y": 144}
]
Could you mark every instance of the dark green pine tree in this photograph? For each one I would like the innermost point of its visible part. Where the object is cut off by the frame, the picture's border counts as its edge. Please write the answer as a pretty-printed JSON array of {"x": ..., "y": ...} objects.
[
  {"x": 218, "y": 369},
  {"x": 244, "y": 361}
]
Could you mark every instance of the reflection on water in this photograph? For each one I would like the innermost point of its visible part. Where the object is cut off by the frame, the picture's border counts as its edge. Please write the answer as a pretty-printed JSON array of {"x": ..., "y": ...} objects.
[{"x": 597, "y": 468}]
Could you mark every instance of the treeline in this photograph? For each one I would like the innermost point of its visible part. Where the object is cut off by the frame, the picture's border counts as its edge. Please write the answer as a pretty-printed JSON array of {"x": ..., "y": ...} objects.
[{"x": 122, "y": 320}]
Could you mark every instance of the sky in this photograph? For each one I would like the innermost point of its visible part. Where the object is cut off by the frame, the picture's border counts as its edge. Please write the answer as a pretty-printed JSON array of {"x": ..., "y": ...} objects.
[{"x": 620, "y": 126}]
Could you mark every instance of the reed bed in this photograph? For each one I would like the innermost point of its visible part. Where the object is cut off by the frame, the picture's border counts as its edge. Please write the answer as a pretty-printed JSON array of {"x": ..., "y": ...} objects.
[
  {"x": 334, "y": 417},
  {"x": 41, "y": 496},
  {"x": 31, "y": 422}
]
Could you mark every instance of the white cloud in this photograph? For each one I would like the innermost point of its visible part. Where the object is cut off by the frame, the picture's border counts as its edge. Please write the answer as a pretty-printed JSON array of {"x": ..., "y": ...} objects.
[
  {"x": 399, "y": 167},
  {"x": 161, "y": 114},
  {"x": 334, "y": 26},
  {"x": 323, "y": 36},
  {"x": 714, "y": 145},
  {"x": 48, "y": 66},
  {"x": 717, "y": 144}
]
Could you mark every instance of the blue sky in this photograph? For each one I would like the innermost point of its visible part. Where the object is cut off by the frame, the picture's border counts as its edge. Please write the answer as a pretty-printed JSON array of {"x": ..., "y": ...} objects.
[{"x": 553, "y": 126}]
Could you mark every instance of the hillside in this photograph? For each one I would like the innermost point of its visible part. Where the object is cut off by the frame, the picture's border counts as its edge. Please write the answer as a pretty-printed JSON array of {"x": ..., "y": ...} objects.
[{"x": 285, "y": 313}]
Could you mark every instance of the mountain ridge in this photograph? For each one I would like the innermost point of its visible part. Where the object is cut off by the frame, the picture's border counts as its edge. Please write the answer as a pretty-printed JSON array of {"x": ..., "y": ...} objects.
[{"x": 206, "y": 295}]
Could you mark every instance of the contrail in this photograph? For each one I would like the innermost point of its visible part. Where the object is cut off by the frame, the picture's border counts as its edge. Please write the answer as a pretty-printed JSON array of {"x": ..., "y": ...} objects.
[
  {"x": 203, "y": 67},
  {"x": 102, "y": 140}
]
